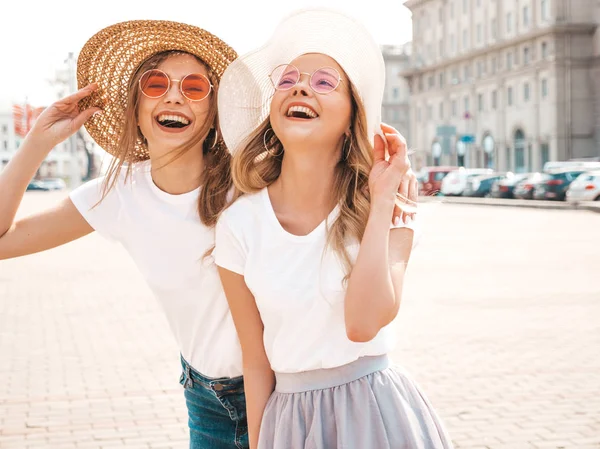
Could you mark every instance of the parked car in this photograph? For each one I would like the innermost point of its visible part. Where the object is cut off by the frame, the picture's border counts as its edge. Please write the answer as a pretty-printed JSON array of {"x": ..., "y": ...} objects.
[
  {"x": 454, "y": 183},
  {"x": 37, "y": 185},
  {"x": 504, "y": 187},
  {"x": 556, "y": 187},
  {"x": 481, "y": 185},
  {"x": 430, "y": 179},
  {"x": 55, "y": 183},
  {"x": 585, "y": 188},
  {"x": 526, "y": 188}
]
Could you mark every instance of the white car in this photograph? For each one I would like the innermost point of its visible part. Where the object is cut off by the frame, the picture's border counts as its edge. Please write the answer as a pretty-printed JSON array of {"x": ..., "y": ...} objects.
[
  {"x": 454, "y": 183},
  {"x": 585, "y": 188}
]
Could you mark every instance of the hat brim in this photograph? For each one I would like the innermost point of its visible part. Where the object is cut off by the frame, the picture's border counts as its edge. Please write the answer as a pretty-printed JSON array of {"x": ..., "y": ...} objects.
[
  {"x": 245, "y": 90},
  {"x": 111, "y": 57}
]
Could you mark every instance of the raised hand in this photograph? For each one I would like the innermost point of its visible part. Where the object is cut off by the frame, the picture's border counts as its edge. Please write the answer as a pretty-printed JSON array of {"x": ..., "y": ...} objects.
[
  {"x": 63, "y": 118},
  {"x": 392, "y": 180}
]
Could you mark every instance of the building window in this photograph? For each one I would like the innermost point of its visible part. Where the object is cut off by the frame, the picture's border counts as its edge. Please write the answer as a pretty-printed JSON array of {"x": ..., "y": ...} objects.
[
  {"x": 429, "y": 112},
  {"x": 441, "y": 14},
  {"x": 494, "y": 99},
  {"x": 396, "y": 115},
  {"x": 509, "y": 60},
  {"x": 454, "y": 108},
  {"x": 545, "y": 153},
  {"x": 544, "y": 50},
  {"x": 452, "y": 44},
  {"x": 509, "y": 96},
  {"x": 441, "y": 48},
  {"x": 494, "y": 30},
  {"x": 441, "y": 111},
  {"x": 5, "y": 129},
  {"x": 465, "y": 44},
  {"x": 467, "y": 104},
  {"x": 526, "y": 92},
  {"x": 465, "y": 6},
  {"x": 480, "y": 102},
  {"x": 479, "y": 33},
  {"x": 494, "y": 64},
  {"x": 5, "y": 145},
  {"x": 509, "y": 22},
  {"x": 467, "y": 73},
  {"x": 418, "y": 114},
  {"x": 525, "y": 16},
  {"x": 544, "y": 88},
  {"x": 544, "y": 8},
  {"x": 455, "y": 79},
  {"x": 431, "y": 82},
  {"x": 452, "y": 10},
  {"x": 526, "y": 55},
  {"x": 441, "y": 79},
  {"x": 396, "y": 93}
]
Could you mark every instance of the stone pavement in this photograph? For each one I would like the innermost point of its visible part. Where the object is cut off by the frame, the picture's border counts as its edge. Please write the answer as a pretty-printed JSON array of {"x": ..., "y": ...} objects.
[{"x": 499, "y": 325}]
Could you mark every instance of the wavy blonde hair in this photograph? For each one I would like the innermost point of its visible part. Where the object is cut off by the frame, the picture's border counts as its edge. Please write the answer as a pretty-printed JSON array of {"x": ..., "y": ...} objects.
[
  {"x": 216, "y": 177},
  {"x": 254, "y": 168}
]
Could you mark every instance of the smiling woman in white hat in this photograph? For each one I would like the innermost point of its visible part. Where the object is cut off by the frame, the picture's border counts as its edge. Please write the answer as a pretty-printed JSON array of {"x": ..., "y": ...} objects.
[
  {"x": 155, "y": 84},
  {"x": 311, "y": 267}
]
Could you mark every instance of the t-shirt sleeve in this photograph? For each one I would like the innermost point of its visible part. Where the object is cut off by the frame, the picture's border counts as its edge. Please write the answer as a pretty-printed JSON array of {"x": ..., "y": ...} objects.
[
  {"x": 103, "y": 215},
  {"x": 229, "y": 252}
]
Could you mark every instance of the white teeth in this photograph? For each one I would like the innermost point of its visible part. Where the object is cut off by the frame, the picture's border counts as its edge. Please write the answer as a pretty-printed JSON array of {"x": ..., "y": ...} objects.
[
  {"x": 303, "y": 109},
  {"x": 173, "y": 118}
]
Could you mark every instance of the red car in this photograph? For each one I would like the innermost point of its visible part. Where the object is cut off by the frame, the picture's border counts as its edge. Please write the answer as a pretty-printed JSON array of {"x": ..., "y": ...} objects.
[{"x": 430, "y": 179}]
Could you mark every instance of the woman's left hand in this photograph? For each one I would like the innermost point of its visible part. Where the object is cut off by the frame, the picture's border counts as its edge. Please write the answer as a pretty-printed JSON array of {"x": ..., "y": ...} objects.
[{"x": 393, "y": 178}]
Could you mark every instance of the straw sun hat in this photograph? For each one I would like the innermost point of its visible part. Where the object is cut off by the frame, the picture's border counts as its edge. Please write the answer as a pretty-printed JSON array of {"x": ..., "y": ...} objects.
[
  {"x": 245, "y": 89},
  {"x": 111, "y": 57}
]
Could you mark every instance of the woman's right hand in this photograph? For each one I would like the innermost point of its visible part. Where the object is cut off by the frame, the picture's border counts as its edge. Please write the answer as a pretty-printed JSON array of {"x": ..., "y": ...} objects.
[{"x": 63, "y": 118}]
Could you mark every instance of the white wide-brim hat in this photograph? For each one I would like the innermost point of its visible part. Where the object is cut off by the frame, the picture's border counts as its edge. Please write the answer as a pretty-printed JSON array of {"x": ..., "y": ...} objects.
[{"x": 245, "y": 90}]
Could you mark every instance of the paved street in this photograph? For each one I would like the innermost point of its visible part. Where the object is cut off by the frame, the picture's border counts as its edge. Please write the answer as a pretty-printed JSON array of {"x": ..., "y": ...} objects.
[{"x": 500, "y": 325}]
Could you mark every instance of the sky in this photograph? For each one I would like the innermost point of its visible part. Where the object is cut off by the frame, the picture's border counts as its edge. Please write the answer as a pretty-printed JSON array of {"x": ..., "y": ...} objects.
[{"x": 36, "y": 36}]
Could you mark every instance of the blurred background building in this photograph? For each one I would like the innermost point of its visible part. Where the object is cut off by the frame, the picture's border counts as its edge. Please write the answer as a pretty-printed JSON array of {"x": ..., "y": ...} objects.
[{"x": 504, "y": 84}]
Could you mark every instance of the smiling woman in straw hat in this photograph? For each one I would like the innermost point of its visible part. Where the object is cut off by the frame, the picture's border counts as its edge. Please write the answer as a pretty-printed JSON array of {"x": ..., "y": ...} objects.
[
  {"x": 153, "y": 86},
  {"x": 312, "y": 270}
]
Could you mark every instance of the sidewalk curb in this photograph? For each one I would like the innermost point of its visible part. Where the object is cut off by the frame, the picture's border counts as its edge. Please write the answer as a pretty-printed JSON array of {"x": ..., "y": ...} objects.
[{"x": 529, "y": 204}]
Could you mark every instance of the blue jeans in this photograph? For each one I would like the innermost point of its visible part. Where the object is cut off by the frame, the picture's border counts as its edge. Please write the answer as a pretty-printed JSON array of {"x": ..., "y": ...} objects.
[{"x": 216, "y": 410}]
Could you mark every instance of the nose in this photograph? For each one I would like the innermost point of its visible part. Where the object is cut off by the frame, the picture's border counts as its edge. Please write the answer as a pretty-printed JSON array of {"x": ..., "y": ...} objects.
[
  {"x": 174, "y": 94},
  {"x": 302, "y": 87}
]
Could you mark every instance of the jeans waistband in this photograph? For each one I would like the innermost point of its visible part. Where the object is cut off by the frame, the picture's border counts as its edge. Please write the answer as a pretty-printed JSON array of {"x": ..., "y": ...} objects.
[{"x": 191, "y": 377}]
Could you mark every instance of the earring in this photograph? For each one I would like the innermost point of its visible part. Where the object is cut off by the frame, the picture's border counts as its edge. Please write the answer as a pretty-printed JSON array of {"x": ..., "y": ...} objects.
[
  {"x": 216, "y": 139},
  {"x": 345, "y": 151},
  {"x": 270, "y": 150}
]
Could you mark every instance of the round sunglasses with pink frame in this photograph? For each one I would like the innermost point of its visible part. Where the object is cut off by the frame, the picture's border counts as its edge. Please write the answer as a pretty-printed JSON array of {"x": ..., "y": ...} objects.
[
  {"x": 322, "y": 81},
  {"x": 155, "y": 83}
]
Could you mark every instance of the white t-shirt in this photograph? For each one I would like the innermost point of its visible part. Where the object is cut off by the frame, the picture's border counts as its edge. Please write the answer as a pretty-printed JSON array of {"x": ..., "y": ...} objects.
[
  {"x": 166, "y": 239},
  {"x": 297, "y": 287}
]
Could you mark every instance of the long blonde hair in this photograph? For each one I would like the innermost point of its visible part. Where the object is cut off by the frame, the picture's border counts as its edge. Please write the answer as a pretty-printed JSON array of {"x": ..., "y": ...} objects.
[
  {"x": 216, "y": 177},
  {"x": 254, "y": 168}
]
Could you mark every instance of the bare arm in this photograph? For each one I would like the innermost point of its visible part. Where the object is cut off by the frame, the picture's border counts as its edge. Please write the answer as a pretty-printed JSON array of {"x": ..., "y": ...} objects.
[
  {"x": 259, "y": 380},
  {"x": 61, "y": 224},
  {"x": 375, "y": 284}
]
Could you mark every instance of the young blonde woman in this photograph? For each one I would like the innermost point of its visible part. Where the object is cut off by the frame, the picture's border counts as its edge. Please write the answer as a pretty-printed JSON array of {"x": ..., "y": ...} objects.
[
  {"x": 153, "y": 85},
  {"x": 311, "y": 267}
]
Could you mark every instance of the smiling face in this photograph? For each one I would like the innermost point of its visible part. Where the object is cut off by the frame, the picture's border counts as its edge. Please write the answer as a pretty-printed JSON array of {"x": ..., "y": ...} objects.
[
  {"x": 299, "y": 114},
  {"x": 172, "y": 120}
]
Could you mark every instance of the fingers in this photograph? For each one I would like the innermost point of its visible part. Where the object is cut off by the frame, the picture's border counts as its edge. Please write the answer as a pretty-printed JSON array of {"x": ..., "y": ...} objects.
[
  {"x": 378, "y": 149},
  {"x": 80, "y": 94},
  {"x": 84, "y": 116},
  {"x": 403, "y": 190},
  {"x": 413, "y": 193}
]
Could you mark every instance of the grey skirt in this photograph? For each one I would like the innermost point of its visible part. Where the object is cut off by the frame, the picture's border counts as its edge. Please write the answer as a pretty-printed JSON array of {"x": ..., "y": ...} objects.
[{"x": 366, "y": 404}]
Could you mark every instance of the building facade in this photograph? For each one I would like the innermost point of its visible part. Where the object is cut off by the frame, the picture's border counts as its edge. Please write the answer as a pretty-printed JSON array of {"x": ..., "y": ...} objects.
[
  {"x": 505, "y": 84},
  {"x": 396, "y": 97}
]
